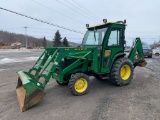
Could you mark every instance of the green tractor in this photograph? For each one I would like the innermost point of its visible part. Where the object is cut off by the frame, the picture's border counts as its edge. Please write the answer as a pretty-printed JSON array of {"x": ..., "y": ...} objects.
[{"x": 101, "y": 54}]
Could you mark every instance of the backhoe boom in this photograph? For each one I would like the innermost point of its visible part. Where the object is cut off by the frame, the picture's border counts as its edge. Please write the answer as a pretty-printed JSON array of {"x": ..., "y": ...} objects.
[{"x": 137, "y": 48}]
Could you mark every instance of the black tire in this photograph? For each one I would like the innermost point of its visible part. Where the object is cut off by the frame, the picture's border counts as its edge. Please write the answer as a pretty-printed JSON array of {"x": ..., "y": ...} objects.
[
  {"x": 79, "y": 84},
  {"x": 150, "y": 56},
  {"x": 157, "y": 54},
  {"x": 122, "y": 72}
]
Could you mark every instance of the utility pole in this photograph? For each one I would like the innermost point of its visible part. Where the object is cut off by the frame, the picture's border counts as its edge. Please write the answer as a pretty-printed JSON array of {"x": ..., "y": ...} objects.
[{"x": 26, "y": 37}]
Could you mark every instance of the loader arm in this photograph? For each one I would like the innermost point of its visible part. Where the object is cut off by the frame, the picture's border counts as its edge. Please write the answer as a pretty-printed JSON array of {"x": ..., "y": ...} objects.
[
  {"x": 137, "y": 48},
  {"x": 32, "y": 83}
]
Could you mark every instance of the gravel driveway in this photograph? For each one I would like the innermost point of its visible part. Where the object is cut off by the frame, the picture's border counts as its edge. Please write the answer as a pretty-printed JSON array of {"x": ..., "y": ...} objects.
[{"x": 138, "y": 101}]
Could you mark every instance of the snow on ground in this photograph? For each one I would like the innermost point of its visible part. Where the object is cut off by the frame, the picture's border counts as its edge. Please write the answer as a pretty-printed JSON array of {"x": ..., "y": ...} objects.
[
  {"x": 24, "y": 59},
  {"x": 149, "y": 60},
  {"x": 2, "y": 69}
]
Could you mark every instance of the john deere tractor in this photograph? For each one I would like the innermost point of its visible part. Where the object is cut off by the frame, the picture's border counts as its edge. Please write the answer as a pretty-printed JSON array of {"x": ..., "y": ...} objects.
[{"x": 101, "y": 54}]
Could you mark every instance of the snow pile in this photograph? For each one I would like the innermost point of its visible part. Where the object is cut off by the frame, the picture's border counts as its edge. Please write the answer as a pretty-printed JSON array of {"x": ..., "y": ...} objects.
[
  {"x": 2, "y": 69},
  {"x": 8, "y": 60}
]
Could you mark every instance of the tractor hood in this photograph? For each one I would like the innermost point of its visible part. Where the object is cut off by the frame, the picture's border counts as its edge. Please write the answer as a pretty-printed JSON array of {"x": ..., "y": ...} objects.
[{"x": 73, "y": 51}]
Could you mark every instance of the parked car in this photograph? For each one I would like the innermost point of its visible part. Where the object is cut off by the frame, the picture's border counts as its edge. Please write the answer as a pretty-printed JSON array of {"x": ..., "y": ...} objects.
[
  {"x": 147, "y": 50},
  {"x": 127, "y": 49},
  {"x": 156, "y": 51}
]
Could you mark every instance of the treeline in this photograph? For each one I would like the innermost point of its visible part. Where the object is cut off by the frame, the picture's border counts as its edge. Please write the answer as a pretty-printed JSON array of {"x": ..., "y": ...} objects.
[
  {"x": 57, "y": 41},
  {"x": 6, "y": 39},
  {"x": 155, "y": 44}
]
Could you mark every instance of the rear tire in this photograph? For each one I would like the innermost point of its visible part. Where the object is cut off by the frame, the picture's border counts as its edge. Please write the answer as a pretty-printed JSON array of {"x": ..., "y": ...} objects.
[
  {"x": 157, "y": 54},
  {"x": 79, "y": 84},
  {"x": 122, "y": 72}
]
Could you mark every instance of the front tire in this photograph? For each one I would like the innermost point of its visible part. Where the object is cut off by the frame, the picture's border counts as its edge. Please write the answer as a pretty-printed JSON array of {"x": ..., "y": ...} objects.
[
  {"x": 79, "y": 84},
  {"x": 122, "y": 72},
  {"x": 150, "y": 56}
]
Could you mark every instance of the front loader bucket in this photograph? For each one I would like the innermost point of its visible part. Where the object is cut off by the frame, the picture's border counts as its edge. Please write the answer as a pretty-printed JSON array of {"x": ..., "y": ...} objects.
[{"x": 28, "y": 93}]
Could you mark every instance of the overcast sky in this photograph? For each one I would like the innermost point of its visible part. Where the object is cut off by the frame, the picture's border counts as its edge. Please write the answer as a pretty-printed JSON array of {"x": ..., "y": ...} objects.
[{"x": 143, "y": 17}]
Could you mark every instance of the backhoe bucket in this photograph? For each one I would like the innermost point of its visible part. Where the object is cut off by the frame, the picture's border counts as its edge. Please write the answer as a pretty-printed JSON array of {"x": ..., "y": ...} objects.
[
  {"x": 141, "y": 63},
  {"x": 28, "y": 92}
]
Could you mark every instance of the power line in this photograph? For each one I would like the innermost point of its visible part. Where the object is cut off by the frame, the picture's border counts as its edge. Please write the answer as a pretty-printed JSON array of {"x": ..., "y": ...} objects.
[
  {"x": 33, "y": 28},
  {"x": 62, "y": 27},
  {"x": 52, "y": 32},
  {"x": 141, "y": 38},
  {"x": 44, "y": 29},
  {"x": 81, "y": 10},
  {"x": 57, "y": 12},
  {"x": 85, "y": 9},
  {"x": 74, "y": 10}
]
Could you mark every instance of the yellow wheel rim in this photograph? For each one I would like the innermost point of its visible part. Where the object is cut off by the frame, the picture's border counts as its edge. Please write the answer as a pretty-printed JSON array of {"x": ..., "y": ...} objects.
[
  {"x": 81, "y": 85},
  {"x": 125, "y": 72}
]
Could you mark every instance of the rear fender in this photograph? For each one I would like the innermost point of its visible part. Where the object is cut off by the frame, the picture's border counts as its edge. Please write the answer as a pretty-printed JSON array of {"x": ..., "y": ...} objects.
[{"x": 117, "y": 56}]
